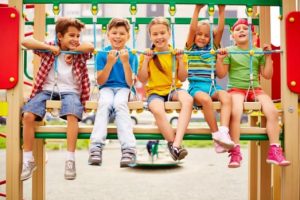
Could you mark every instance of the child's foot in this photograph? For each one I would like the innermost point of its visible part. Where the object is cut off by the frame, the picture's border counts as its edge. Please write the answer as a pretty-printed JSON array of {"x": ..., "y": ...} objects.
[
  {"x": 70, "y": 170},
  {"x": 235, "y": 157},
  {"x": 223, "y": 139},
  {"x": 128, "y": 158},
  {"x": 95, "y": 157},
  {"x": 177, "y": 153},
  {"x": 219, "y": 148},
  {"x": 27, "y": 170},
  {"x": 275, "y": 156}
]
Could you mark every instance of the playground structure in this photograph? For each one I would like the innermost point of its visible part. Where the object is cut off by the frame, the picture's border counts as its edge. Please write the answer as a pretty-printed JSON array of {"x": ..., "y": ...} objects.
[{"x": 265, "y": 181}]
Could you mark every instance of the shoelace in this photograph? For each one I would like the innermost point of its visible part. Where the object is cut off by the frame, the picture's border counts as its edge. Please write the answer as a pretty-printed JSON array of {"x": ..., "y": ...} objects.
[
  {"x": 234, "y": 155},
  {"x": 278, "y": 153}
]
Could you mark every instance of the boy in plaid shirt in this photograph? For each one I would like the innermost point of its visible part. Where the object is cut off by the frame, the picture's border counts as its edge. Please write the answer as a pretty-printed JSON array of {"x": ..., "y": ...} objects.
[{"x": 72, "y": 81}]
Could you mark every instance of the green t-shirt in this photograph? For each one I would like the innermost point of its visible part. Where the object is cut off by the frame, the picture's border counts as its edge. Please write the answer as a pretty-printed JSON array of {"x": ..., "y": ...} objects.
[{"x": 239, "y": 68}]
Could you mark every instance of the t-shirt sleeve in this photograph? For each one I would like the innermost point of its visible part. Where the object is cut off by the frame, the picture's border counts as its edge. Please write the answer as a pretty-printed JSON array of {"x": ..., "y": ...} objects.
[
  {"x": 262, "y": 60},
  {"x": 101, "y": 61},
  {"x": 142, "y": 57},
  {"x": 185, "y": 61},
  {"x": 226, "y": 60}
]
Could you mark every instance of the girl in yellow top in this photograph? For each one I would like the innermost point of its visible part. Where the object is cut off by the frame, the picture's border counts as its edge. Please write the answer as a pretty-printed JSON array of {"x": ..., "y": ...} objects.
[{"x": 156, "y": 71}]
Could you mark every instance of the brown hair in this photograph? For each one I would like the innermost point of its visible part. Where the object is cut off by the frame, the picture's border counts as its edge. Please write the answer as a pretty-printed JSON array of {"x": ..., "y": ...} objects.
[
  {"x": 63, "y": 23},
  {"x": 163, "y": 21},
  {"x": 117, "y": 22}
]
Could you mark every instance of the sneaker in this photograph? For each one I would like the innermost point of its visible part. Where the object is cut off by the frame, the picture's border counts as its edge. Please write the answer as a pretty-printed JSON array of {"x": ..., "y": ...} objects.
[
  {"x": 177, "y": 153},
  {"x": 219, "y": 148},
  {"x": 95, "y": 157},
  {"x": 235, "y": 157},
  {"x": 223, "y": 139},
  {"x": 70, "y": 170},
  {"x": 275, "y": 156},
  {"x": 128, "y": 158},
  {"x": 27, "y": 170}
]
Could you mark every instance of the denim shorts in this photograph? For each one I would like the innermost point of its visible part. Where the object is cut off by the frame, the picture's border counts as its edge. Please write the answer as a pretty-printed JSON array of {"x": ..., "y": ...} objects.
[
  {"x": 71, "y": 104},
  {"x": 163, "y": 98},
  {"x": 196, "y": 87}
]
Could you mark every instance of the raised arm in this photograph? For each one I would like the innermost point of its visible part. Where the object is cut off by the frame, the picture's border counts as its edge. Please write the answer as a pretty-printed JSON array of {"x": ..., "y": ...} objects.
[
  {"x": 143, "y": 74},
  {"x": 267, "y": 70},
  {"x": 124, "y": 57},
  {"x": 221, "y": 68},
  {"x": 218, "y": 32},
  {"x": 193, "y": 26},
  {"x": 103, "y": 75},
  {"x": 182, "y": 72}
]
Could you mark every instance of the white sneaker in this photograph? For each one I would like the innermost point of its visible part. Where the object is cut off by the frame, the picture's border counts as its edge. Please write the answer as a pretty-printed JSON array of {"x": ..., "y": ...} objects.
[
  {"x": 70, "y": 170},
  {"x": 223, "y": 139},
  {"x": 27, "y": 170},
  {"x": 219, "y": 148}
]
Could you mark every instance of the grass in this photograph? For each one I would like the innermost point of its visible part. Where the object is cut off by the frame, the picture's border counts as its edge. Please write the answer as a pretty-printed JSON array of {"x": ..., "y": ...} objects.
[{"x": 2, "y": 140}]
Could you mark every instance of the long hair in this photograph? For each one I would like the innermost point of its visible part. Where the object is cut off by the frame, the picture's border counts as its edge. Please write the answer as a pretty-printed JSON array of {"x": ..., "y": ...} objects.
[{"x": 163, "y": 21}]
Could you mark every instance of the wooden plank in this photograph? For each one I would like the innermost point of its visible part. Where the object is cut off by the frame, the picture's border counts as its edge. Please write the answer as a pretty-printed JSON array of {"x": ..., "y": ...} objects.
[
  {"x": 252, "y": 171},
  {"x": 135, "y": 105},
  {"x": 276, "y": 182},
  {"x": 290, "y": 174},
  {"x": 264, "y": 175}
]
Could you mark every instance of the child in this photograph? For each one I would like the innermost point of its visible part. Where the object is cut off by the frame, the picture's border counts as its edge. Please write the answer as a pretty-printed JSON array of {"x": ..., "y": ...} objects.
[
  {"x": 238, "y": 67},
  {"x": 73, "y": 83},
  {"x": 115, "y": 78},
  {"x": 156, "y": 71},
  {"x": 200, "y": 87}
]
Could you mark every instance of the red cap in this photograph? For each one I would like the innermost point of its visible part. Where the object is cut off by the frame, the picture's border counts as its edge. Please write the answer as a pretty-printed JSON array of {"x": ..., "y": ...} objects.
[{"x": 242, "y": 21}]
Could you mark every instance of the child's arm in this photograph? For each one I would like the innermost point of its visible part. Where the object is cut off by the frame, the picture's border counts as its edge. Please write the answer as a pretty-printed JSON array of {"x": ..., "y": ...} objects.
[
  {"x": 193, "y": 26},
  {"x": 143, "y": 71},
  {"x": 34, "y": 44},
  {"x": 182, "y": 72},
  {"x": 124, "y": 57},
  {"x": 267, "y": 70},
  {"x": 103, "y": 75},
  {"x": 221, "y": 68},
  {"x": 85, "y": 47},
  {"x": 221, "y": 23}
]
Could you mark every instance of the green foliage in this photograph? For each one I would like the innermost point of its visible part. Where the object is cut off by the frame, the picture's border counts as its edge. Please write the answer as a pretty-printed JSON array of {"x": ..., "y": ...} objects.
[{"x": 2, "y": 140}]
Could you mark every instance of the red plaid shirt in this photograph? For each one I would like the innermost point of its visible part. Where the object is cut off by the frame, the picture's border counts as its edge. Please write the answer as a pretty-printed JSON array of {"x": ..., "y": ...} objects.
[{"x": 79, "y": 71}]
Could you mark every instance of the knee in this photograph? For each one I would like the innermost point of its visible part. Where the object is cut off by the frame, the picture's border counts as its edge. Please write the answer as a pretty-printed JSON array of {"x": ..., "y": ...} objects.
[
  {"x": 120, "y": 105},
  {"x": 226, "y": 100},
  {"x": 206, "y": 101},
  {"x": 273, "y": 114},
  {"x": 28, "y": 118},
  {"x": 105, "y": 104},
  {"x": 187, "y": 102}
]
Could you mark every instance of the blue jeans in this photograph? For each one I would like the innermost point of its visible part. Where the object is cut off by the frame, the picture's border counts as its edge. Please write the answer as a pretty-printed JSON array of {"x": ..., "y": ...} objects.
[
  {"x": 113, "y": 99},
  {"x": 71, "y": 104}
]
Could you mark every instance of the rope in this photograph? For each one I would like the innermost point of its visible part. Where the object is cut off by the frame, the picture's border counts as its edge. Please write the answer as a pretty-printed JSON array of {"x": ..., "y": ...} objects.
[{"x": 212, "y": 52}]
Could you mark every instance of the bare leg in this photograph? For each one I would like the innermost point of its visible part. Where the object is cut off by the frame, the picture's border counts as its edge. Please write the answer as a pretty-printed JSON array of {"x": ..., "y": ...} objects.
[
  {"x": 271, "y": 114},
  {"x": 205, "y": 100},
  {"x": 28, "y": 131},
  {"x": 184, "y": 116},
  {"x": 72, "y": 132},
  {"x": 236, "y": 114},
  {"x": 225, "y": 100},
  {"x": 157, "y": 108}
]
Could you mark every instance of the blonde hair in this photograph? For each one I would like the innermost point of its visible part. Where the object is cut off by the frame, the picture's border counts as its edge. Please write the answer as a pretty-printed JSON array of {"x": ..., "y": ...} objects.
[
  {"x": 117, "y": 22},
  {"x": 159, "y": 20}
]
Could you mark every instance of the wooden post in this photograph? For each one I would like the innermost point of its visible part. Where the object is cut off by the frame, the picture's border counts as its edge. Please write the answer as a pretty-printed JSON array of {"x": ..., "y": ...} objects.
[
  {"x": 253, "y": 163},
  {"x": 38, "y": 178},
  {"x": 14, "y": 186},
  {"x": 290, "y": 174}
]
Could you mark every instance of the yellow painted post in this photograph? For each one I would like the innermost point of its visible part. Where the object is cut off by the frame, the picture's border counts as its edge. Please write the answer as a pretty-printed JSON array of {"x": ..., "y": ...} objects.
[
  {"x": 14, "y": 186},
  {"x": 290, "y": 175},
  {"x": 38, "y": 178}
]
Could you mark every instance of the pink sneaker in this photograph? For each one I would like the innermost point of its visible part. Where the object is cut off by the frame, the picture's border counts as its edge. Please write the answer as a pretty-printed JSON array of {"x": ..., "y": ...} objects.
[
  {"x": 275, "y": 156},
  {"x": 219, "y": 148},
  {"x": 235, "y": 157}
]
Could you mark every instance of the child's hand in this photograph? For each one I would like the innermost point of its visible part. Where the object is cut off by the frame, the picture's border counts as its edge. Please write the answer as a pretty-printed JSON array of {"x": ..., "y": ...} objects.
[
  {"x": 148, "y": 54},
  {"x": 221, "y": 8},
  {"x": 112, "y": 57},
  {"x": 267, "y": 47},
  {"x": 222, "y": 53},
  {"x": 124, "y": 56},
  {"x": 68, "y": 59},
  {"x": 55, "y": 50},
  {"x": 179, "y": 54}
]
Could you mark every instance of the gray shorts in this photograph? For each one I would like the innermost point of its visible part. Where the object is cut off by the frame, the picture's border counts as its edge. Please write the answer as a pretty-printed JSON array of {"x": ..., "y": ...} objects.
[
  {"x": 163, "y": 98},
  {"x": 71, "y": 104}
]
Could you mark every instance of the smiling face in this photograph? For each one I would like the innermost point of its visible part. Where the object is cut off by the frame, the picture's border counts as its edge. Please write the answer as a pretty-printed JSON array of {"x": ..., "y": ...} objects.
[
  {"x": 160, "y": 35},
  {"x": 118, "y": 36},
  {"x": 70, "y": 39},
  {"x": 202, "y": 36},
  {"x": 240, "y": 34}
]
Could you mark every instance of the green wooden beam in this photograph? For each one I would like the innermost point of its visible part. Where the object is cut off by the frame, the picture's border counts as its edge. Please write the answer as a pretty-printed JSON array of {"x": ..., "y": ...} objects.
[
  {"x": 143, "y": 20},
  {"x": 213, "y": 2},
  {"x": 150, "y": 136}
]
